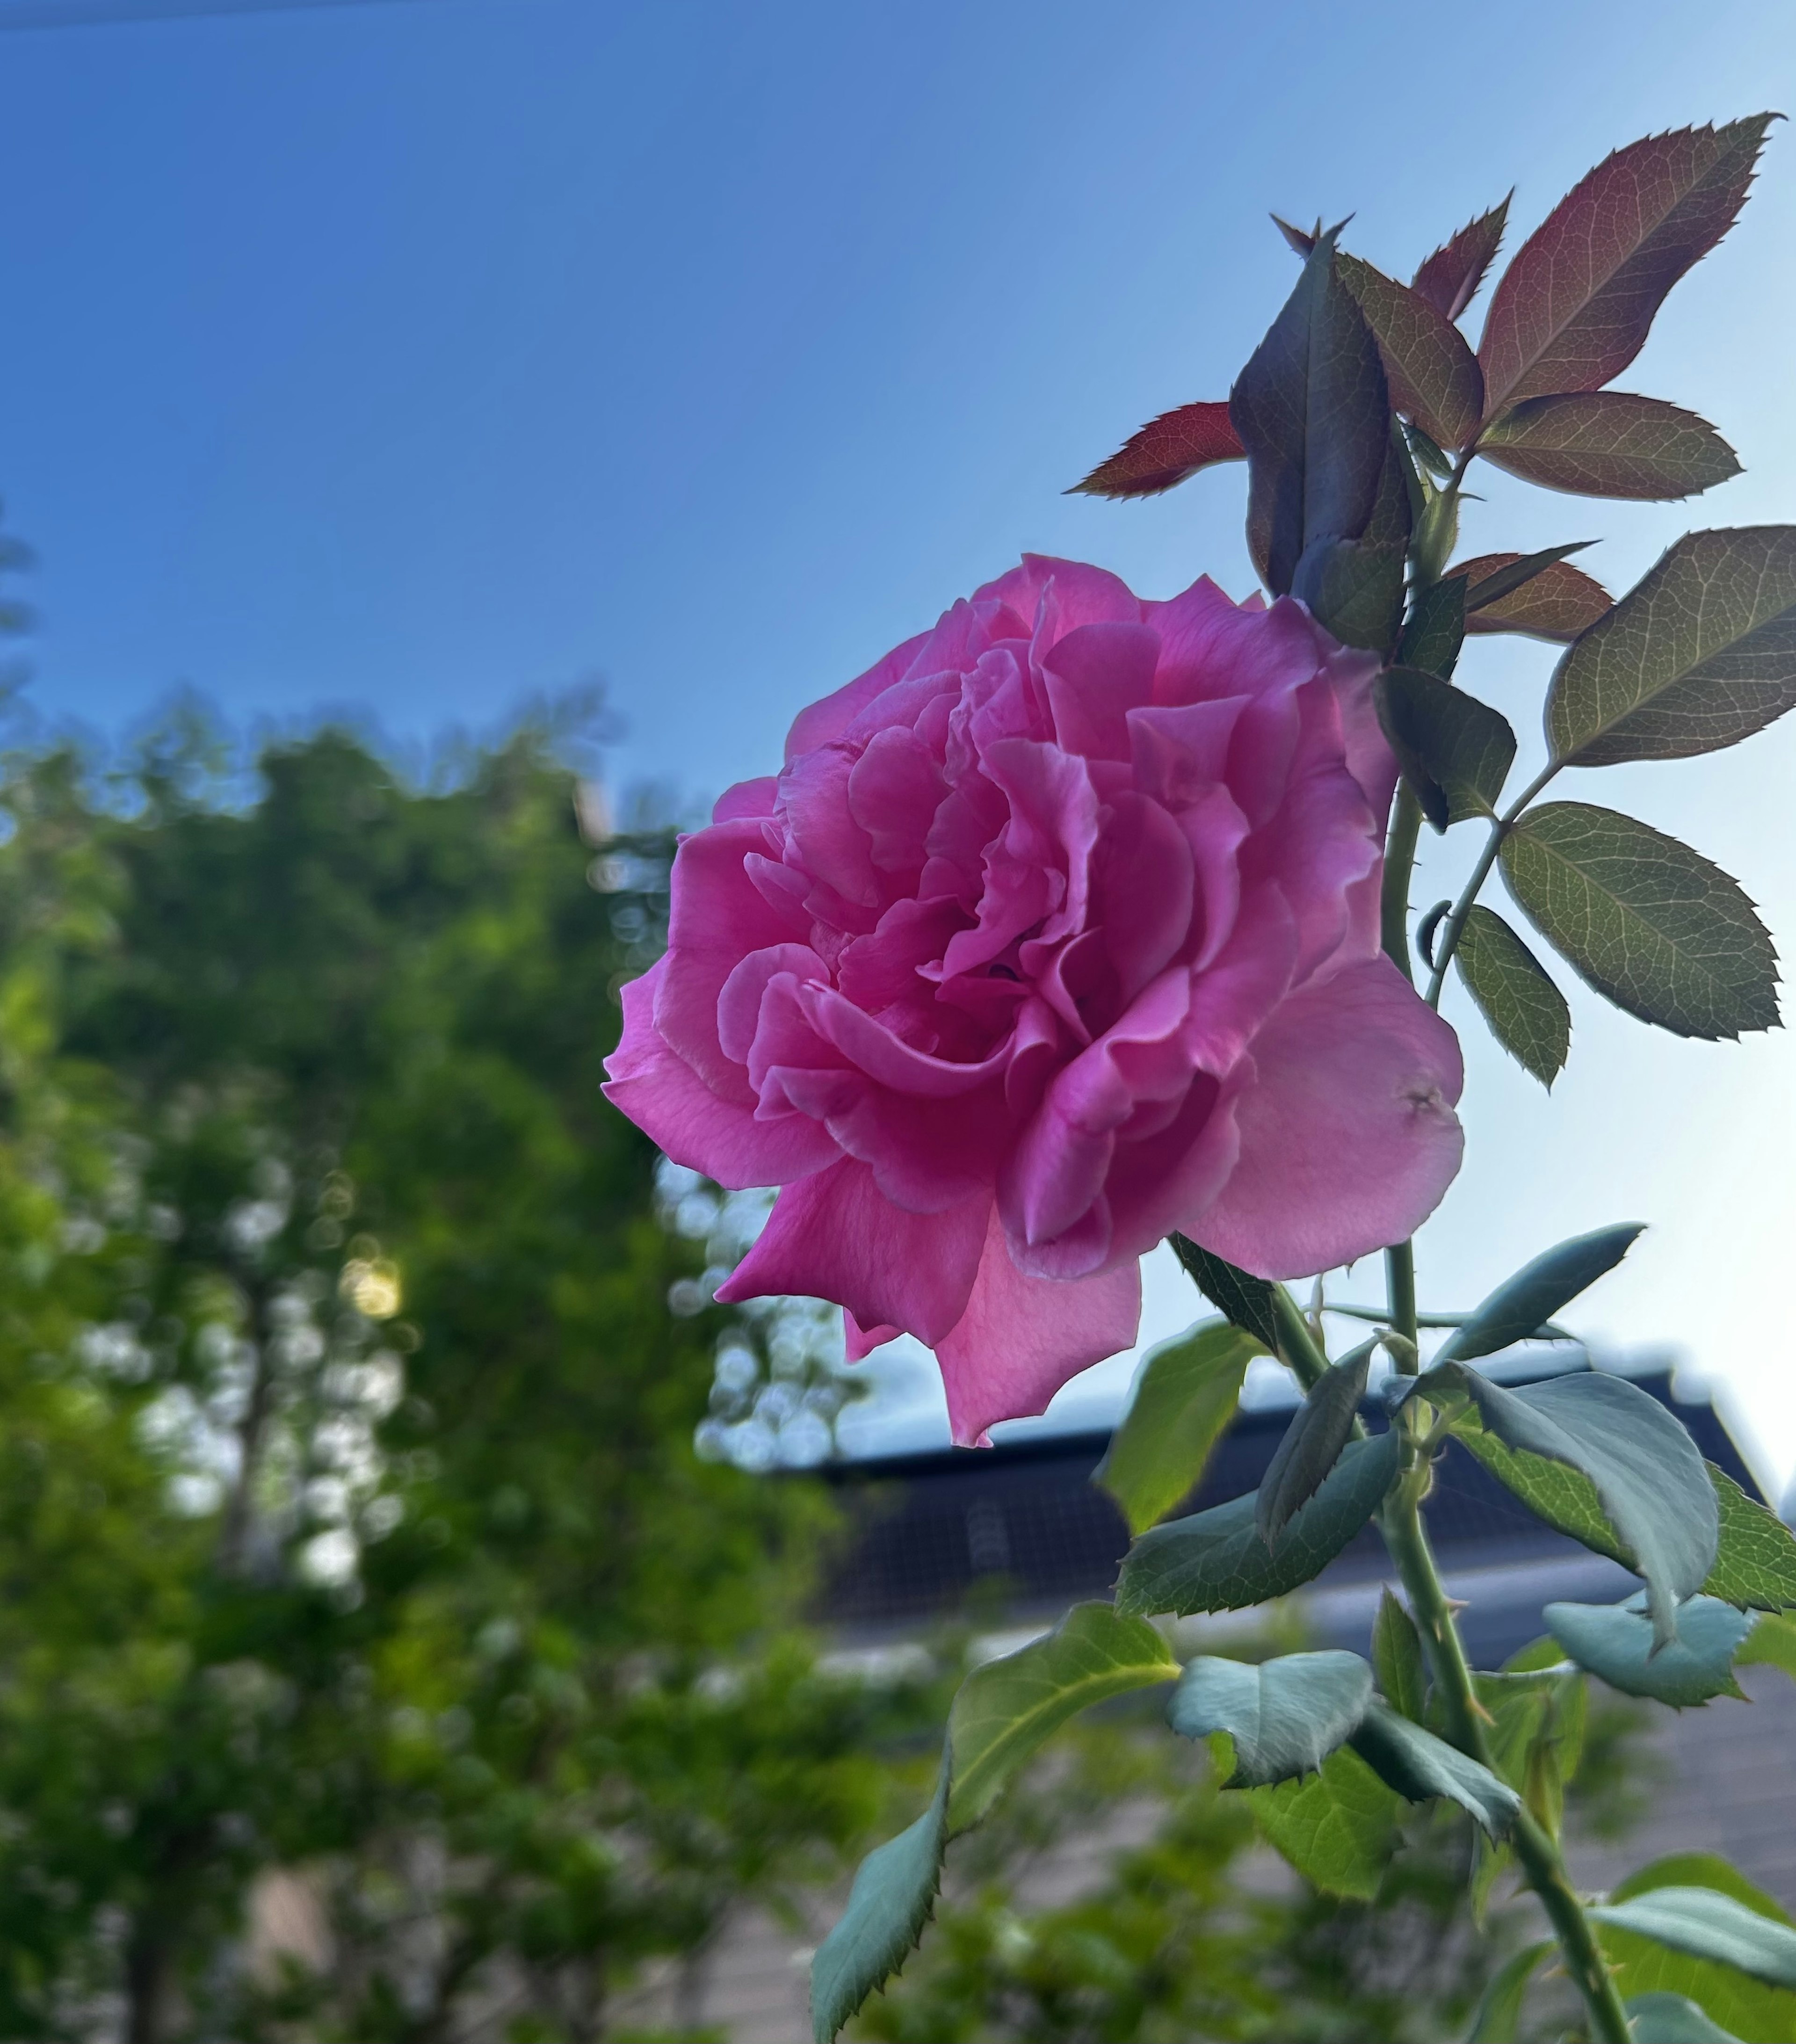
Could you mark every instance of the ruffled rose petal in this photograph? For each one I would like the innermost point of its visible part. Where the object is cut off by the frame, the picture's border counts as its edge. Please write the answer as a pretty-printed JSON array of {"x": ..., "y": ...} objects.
[
  {"x": 1021, "y": 1338},
  {"x": 1348, "y": 1135}
]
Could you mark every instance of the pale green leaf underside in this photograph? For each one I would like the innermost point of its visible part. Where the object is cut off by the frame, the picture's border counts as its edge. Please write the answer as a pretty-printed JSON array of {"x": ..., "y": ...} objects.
[
  {"x": 1285, "y": 1715},
  {"x": 1616, "y": 1644}
]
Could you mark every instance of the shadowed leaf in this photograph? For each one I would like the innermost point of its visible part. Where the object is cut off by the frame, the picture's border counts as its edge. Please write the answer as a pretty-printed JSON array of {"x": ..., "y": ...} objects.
[
  {"x": 1311, "y": 1444},
  {"x": 1449, "y": 278},
  {"x": 1300, "y": 241},
  {"x": 1184, "y": 1396},
  {"x": 1005, "y": 1709},
  {"x": 1498, "y": 2017},
  {"x": 1285, "y": 1715},
  {"x": 1432, "y": 375},
  {"x": 1311, "y": 410},
  {"x": 1456, "y": 751},
  {"x": 1397, "y": 1660},
  {"x": 1216, "y": 1560},
  {"x": 1165, "y": 452},
  {"x": 1435, "y": 629},
  {"x": 889, "y": 1903},
  {"x": 1647, "y": 922},
  {"x": 1338, "y": 1828},
  {"x": 1541, "y": 595},
  {"x": 1700, "y": 654},
  {"x": 1610, "y": 443},
  {"x": 1537, "y": 1290},
  {"x": 1245, "y": 1299},
  {"x": 1418, "y": 1766},
  {"x": 1527, "y": 1012},
  {"x": 1617, "y": 1643},
  {"x": 1355, "y": 586},
  {"x": 1756, "y": 1566},
  {"x": 1573, "y": 308}
]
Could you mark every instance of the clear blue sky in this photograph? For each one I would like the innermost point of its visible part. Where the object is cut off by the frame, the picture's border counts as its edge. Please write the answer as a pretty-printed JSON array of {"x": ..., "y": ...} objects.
[{"x": 420, "y": 356}]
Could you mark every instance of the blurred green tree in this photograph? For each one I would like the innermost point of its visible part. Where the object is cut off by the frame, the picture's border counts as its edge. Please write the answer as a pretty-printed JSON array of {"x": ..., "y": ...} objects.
[{"x": 350, "y": 1523}]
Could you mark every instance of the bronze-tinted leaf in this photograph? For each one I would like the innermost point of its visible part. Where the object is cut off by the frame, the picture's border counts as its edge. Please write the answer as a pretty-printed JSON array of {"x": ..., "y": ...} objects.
[
  {"x": 1300, "y": 241},
  {"x": 1608, "y": 444},
  {"x": 1557, "y": 603},
  {"x": 1165, "y": 450},
  {"x": 1450, "y": 278},
  {"x": 1433, "y": 374},
  {"x": 1573, "y": 308}
]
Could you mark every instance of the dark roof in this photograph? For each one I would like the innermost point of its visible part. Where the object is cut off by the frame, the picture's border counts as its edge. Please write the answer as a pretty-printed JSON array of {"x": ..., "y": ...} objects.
[{"x": 1022, "y": 1527}]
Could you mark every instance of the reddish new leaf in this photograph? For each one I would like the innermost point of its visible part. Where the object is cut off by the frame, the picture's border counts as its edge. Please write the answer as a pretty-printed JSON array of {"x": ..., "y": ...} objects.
[
  {"x": 1610, "y": 443},
  {"x": 1165, "y": 452},
  {"x": 1450, "y": 278},
  {"x": 1558, "y": 603},
  {"x": 1574, "y": 308},
  {"x": 1433, "y": 375}
]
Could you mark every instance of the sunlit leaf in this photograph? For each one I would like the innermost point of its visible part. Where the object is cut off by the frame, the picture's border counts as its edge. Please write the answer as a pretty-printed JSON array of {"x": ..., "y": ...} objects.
[
  {"x": 1650, "y": 924},
  {"x": 1216, "y": 1560},
  {"x": 1744, "y": 2007},
  {"x": 1449, "y": 278},
  {"x": 1573, "y": 308},
  {"x": 1285, "y": 1716},
  {"x": 1610, "y": 443},
  {"x": 1165, "y": 452},
  {"x": 1701, "y": 655},
  {"x": 1007, "y": 1707},
  {"x": 1756, "y": 1566},
  {"x": 1184, "y": 1397},
  {"x": 1527, "y": 1012},
  {"x": 1338, "y": 1827},
  {"x": 1541, "y": 595},
  {"x": 1705, "y": 1924},
  {"x": 1432, "y": 375}
]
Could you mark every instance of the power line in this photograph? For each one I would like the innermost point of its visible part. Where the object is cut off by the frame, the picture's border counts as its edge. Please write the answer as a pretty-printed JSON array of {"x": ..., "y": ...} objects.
[{"x": 123, "y": 14}]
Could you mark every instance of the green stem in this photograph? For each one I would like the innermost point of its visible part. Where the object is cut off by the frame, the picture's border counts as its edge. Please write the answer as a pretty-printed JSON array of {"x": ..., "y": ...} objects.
[
  {"x": 1399, "y": 861},
  {"x": 1399, "y": 1264},
  {"x": 1535, "y": 1846},
  {"x": 1446, "y": 943},
  {"x": 1297, "y": 1345}
]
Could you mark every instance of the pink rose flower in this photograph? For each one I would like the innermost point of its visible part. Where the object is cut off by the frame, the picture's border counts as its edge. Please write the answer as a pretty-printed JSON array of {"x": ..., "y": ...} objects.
[{"x": 1058, "y": 931}]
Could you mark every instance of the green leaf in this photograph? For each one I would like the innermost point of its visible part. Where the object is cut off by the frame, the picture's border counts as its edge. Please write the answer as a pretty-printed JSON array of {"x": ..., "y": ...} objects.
[
  {"x": 1435, "y": 629},
  {"x": 1320, "y": 1428},
  {"x": 1541, "y": 595},
  {"x": 1418, "y": 1766},
  {"x": 1527, "y": 1012},
  {"x": 1498, "y": 2019},
  {"x": 1311, "y": 409},
  {"x": 1649, "y": 1479},
  {"x": 1573, "y": 308},
  {"x": 1610, "y": 443},
  {"x": 1771, "y": 1643},
  {"x": 894, "y": 1891},
  {"x": 1745, "y": 2008},
  {"x": 1354, "y": 586},
  {"x": 1245, "y": 1299},
  {"x": 1705, "y": 1924},
  {"x": 1006, "y": 1709},
  {"x": 1397, "y": 1659},
  {"x": 1216, "y": 1560},
  {"x": 1338, "y": 1828},
  {"x": 1449, "y": 278},
  {"x": 1756, "y": 1567},
  {"x": 1617, "y": 1643},
  {"x": 1165, "y": 452},
  {"x": 1537, "y": 1732},
  {"x": 1699, "y": 655},
  {"x": 1456, "y": 751},
  {"x": 1185, "y": 1395},
  {"x": 1537, "y": 1290},
  {"x": 1673, "y": 2018},
  {"x": 1645, "y": 920},
  {"x": 1285, "y": 1715},
  {"x": 1432, "y": 374}
]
